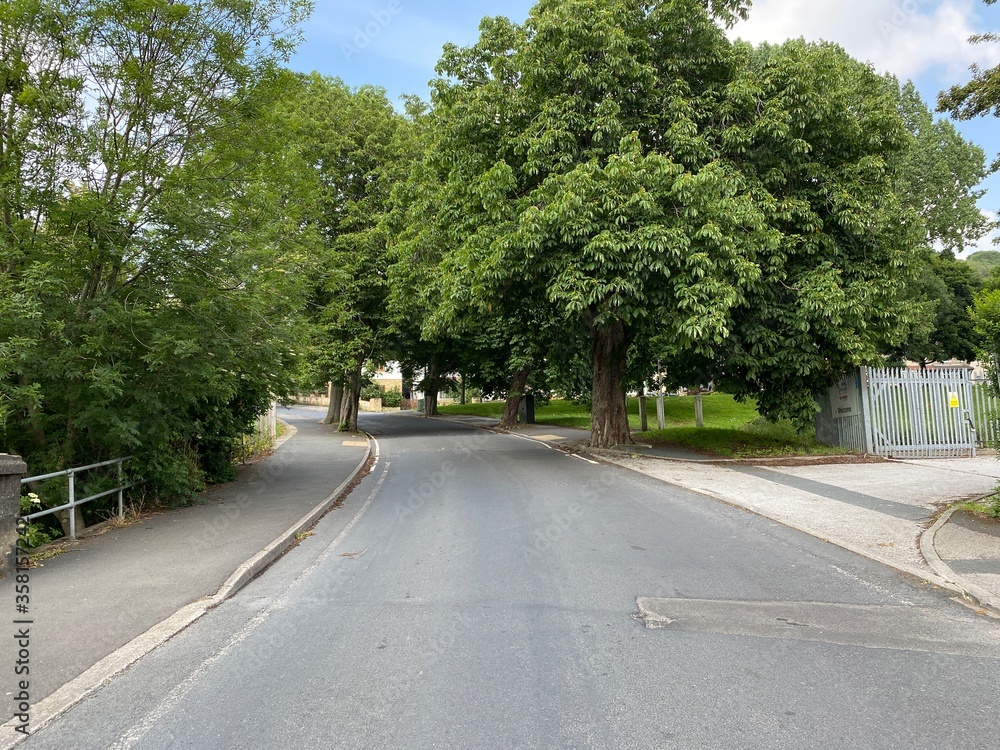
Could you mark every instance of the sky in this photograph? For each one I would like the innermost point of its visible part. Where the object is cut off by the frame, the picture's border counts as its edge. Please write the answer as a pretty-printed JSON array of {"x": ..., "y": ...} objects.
[{"x": 395, "y": 44}]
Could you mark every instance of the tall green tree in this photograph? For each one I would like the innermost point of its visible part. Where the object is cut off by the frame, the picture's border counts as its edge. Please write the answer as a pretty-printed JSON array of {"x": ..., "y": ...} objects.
[
  {"x": 148, "y": 254},
  {"x": 940, "y": 177},
  {"x": 357, "y": 147},
  {"x": 577, "y": 158},
  {"x": 817, "y": 138},
  {"x": 656, "y": 179}
]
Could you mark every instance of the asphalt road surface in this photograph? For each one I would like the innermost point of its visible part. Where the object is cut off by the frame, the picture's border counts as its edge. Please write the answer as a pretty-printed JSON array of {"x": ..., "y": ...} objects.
[{"x": 487, "y": 591}]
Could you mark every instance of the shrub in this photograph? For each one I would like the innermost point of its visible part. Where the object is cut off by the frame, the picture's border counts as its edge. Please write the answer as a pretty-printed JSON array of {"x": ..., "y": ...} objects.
[{"x": 370, "y": 391}]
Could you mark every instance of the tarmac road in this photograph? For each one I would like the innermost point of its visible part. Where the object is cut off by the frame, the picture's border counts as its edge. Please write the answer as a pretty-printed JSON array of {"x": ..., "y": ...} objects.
[{"x": 486, "y": 591}]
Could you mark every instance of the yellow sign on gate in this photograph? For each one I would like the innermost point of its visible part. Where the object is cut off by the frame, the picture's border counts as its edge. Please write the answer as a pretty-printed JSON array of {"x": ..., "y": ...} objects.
[{"x": 953, "y": 400}]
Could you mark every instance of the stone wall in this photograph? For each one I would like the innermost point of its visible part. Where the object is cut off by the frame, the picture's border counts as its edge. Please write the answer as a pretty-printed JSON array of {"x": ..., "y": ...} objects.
[{"x": 12, "y": 470}]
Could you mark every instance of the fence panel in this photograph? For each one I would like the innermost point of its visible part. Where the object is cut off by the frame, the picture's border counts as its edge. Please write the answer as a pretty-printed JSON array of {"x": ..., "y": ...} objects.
[
  {"x": 925, "y": 413},
  {"x": 985, "y": 412}
]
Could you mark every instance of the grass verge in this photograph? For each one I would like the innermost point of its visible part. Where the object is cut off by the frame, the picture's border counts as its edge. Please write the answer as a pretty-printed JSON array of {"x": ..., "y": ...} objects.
[
  {"x": 732, "y": 429},
  {"x": 987, "y": 506}
]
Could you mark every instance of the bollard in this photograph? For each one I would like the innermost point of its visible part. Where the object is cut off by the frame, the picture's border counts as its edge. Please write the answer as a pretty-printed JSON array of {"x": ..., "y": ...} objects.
[{"x": 12, "y": 470}]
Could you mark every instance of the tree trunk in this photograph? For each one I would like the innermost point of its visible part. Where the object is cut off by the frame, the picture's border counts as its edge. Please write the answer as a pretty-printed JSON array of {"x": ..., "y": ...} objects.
[
  {"x": 431, "y": 388},
  {"x": 461, "y": 399},
  {"x": 351, "y": 399},
  {"x": 609, "y": 416},
  {"x": 510, "y": 409},
  {"x": 345, "y": 402},
  {"x": 336, "y": 404}
]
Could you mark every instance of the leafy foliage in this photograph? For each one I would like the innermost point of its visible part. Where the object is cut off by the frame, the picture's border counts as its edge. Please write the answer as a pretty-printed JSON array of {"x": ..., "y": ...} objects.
[
  {"x": 148, "y": 284},
  {"x": 634, "y": 170},
  {"x": 355, "y": 146}
]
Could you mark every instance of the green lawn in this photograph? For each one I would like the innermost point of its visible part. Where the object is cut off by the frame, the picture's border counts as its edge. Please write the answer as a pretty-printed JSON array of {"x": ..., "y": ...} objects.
[{"x": 731, "y": 429}]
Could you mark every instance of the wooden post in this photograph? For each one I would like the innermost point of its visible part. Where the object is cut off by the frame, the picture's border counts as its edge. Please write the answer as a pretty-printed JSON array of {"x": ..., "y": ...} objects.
[{"x": 699, "y": 411}]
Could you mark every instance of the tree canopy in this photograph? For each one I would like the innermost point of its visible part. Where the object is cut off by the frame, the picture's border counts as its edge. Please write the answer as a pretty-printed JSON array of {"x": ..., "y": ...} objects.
[
  {"x": 187, "y": 230},
  {"x": 148, "y": 255},
  {"x": 628, "y": 165}
]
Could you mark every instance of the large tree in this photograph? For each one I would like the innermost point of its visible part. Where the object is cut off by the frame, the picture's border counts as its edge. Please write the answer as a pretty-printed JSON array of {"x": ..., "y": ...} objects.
[
  {"x": 654, "y": 178},
  {"x": 148, "y": 255},
  {"x": 818, "y": 139},
  {"x": 577, "y": 158},
  {"x": 940, "y": 177},
  {"x": 355, "y": 147}
]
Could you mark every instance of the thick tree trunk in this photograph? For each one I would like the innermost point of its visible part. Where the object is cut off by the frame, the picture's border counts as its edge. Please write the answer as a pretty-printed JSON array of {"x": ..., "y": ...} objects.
[
  {"x": 510, "y": 409},
  {"x": 345, "y": 402},
  {"x": 336, "y": 404},
  {"x": 351, "y": 398},
  {"x": 609, "y": 416},
  {"x": 432, "y": 386}
]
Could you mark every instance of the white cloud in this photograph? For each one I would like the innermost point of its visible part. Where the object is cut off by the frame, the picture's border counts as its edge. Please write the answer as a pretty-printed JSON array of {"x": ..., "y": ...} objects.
[{"x": 908, "y": 38}]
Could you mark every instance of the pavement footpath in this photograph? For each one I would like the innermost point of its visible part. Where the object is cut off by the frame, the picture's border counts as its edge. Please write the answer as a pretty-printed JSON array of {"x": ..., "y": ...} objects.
[
  {"x": 896, "y": 512},
  {"x": 113, "y": 597}
]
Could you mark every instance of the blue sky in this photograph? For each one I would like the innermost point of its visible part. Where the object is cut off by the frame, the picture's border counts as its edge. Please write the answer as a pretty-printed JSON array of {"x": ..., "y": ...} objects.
[{"x": 396, "y": 43}]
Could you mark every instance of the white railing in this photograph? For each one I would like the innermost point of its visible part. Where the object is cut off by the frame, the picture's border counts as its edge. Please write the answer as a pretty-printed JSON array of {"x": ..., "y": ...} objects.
[
  {"x": 74, "y": 502},
  {"x": 985, "y": 413}
]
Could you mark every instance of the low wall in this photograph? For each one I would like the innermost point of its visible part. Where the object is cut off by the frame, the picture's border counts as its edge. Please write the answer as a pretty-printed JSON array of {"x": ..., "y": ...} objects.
[
  {"x": 313, "y": 399},
  {"x": 375, "y": 406}
]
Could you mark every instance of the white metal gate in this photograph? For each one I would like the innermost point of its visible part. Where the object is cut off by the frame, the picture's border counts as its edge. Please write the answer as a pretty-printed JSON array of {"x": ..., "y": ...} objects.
[{"x": 918, "y": 413}]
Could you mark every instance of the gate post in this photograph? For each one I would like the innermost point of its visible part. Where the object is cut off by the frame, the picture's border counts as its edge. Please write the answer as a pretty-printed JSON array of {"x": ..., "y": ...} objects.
[
  {"x": 12, "y": 470},
  {"x": 864, "y": 383}
]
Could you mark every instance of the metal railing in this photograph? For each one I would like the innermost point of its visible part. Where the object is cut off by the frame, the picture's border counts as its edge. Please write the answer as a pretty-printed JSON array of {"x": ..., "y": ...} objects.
[
  {"x": 74, "y": 503},
  {"x": 985, "y": 412}
]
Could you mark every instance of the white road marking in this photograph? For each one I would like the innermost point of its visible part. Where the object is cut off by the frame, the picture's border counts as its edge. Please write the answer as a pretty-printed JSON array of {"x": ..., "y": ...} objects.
[
  {"x": 175, "y": 696},
  {"x": 531, "y": 440}
]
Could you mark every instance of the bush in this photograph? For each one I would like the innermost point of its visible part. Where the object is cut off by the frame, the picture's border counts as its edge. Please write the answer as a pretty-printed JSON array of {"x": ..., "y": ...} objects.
[
  {"x": 392, "y": 398},
  {"x": 993, "y": 507},
  {"x": 370, "y": 391}
]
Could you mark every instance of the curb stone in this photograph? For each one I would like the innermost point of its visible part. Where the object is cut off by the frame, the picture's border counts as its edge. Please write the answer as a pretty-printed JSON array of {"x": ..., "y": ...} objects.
[
  {"x": 99, "y": 674},
  {"x": 982, "y": 597}
]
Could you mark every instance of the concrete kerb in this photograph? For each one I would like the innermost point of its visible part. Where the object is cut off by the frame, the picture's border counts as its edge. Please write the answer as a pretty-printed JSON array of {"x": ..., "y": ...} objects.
[
  {"x": 984, "y": 598},
  {"x": 118, "y": 661},
  {"x": 818, "y": 460}
]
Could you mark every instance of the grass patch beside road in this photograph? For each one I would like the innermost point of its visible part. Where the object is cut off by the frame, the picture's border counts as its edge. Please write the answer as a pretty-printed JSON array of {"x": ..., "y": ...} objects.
[
  {"x": 732, "y": 429},
  {"x": 758, "y": 439},
  {"x": 987, "y": 506}
]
